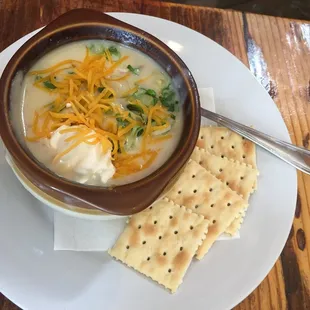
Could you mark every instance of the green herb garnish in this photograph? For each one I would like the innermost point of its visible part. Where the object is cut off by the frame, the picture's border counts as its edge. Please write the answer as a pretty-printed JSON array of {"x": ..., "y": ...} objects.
[
  {"x": 71, "y": 72},
  {"x": 140, "y": 132},
  {"x": 49, "y": 85},
  {"x": 38, "y": 77},
  {"x": 168, "y": 99},
  {"x": 135, "y": 108},
  {"x": 122, "y": 122},
  {"x": 100, "y": 89},
  {"x": 135, "y": 71},
  {"x": 114, "y": 51},
  {"x": 138, "y": 93},
  {"x": 119, "y": 148},
  {"x": 137, "y": 131},
  {"x": 109, "y": 112},
  {"x": 96, "y": 48},
  {"x": 144, "y": 95},
  {"x": 131, "y": 139},
  {"x": 151, "y": 92}
]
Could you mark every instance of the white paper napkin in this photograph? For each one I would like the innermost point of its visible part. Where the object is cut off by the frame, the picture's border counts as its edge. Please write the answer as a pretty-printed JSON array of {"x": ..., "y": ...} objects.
[
  {"x": 98, "y": 235},
  {"x": 85, "y": 235}
]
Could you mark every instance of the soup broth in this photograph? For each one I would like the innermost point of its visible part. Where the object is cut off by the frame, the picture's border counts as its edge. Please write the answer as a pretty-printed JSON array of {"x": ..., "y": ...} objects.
[{"x": 99, "y": 113}]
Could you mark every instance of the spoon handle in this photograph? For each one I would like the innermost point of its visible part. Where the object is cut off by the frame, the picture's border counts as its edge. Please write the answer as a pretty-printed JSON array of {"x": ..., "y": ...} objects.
[{"x": 296, "y": 156}]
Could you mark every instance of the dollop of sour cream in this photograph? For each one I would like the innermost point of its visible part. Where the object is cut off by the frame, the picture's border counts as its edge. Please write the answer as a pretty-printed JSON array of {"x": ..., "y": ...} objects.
[{"x": 87, "y": 160}]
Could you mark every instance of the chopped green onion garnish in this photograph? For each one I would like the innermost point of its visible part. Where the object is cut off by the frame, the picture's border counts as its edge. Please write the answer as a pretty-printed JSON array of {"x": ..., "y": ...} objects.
[
  {"x": 140, "y": 132},
  {"x": 109, "y": 112},
  {"x": 151, "y": 92},
  {"x": 135, "y": 71},
  {"x": 122, "y": 122},
  {"x": 49, "y": 85},
  {"x": 134, "y": 108},
  {"x": 96, "y": 48},
  {"x": 168, "y": 99},
  {"x": 114, "y": 51}
]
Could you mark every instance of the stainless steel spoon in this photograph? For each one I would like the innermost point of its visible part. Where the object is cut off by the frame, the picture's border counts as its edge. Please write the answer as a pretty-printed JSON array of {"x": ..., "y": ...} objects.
[{"x": 298, "y": 157}]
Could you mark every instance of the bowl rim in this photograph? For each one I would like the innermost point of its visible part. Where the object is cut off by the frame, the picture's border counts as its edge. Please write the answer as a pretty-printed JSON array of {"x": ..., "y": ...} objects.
[
  {"x": 55, "y": 204},
  {"x": 71, "y": 20}
]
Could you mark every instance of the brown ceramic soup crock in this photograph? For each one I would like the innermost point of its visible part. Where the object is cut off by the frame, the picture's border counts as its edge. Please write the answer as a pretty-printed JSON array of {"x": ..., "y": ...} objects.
[{"x": 82, "y": 24}]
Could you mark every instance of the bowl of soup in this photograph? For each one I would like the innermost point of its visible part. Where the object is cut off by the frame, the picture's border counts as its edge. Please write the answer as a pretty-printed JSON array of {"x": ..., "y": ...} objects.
[{"x": 98, "y": 114}]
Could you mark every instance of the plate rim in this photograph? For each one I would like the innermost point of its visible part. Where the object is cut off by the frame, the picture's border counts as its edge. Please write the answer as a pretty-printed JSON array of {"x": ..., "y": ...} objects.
[{"x": 237, "y": 300}]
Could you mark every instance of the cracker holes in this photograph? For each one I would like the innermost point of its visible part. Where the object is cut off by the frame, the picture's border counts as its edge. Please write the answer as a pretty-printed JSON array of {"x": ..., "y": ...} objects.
[
  {"x": 150, "y": 207},
  {"x": 220, "y": 170},
  {"x": 164, "y": 253},
  {"x": 228, "y": 204},
  {"x": 144, "y": 242},
  {"x": 148, "y": 258},
  {"x": 169, "y": 270},
  {"x": 243, "y": 138},
  {"x": 243, "y": 156},
  {"x": 159, "y": 237},
  {"x": 222, "y": 138},
  {"x": 227, "y": 183},
  {"x": 212, "y": 146},
  {"x": 193, "y": 176},
  {"x": 176, "y": 232},
  {"x": 191, "y": 227},
  {"x": 214, "y": 221},
  {"x": 171, "y": 217},
  {"x": 139, "y": 227},
  {"x": 155, "y": 222},
  {"x": 210, "y": 189},
  {"x": 196, "y": 207},
  {"x": 179, "y": 192},
  {"x": 127, "y": 247},
  {"x": 212, "y": 205},
  {"x": 201, "y": 137},
  {"x": 232, "y": 146},
  {"x": 222, "y": 156},
  {"x": 200, "y": 163},
  {"x": 181, "y": 249},
  {"x": 195, "y": 191},
  {"x": 241, "y": 178}
]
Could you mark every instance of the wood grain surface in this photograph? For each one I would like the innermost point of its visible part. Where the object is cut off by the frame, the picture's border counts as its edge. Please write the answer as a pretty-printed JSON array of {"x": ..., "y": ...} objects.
[{"x": 277, "y": 51}]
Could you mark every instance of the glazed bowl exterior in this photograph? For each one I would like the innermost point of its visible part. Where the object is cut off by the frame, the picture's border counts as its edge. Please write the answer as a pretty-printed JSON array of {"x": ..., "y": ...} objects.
[{"x": 84, "y": 24}]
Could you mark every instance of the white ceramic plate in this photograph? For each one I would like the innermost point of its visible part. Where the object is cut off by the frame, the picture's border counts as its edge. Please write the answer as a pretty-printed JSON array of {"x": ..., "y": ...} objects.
[{"x": 35, "y": 277}]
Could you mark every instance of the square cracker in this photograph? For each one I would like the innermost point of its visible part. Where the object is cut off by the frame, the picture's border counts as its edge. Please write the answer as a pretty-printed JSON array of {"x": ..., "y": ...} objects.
[
  {"x": 161, "y": 241},
  {"x": 235, "y": 226},
  {"x": 202, "y": 192},
  {"x": 221, "y": 141},
  {"x": 239, "y": 177}
]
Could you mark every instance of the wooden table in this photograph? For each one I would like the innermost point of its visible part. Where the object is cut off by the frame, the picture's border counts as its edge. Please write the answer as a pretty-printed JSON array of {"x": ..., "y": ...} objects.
[{"x": 277, "y": 51}]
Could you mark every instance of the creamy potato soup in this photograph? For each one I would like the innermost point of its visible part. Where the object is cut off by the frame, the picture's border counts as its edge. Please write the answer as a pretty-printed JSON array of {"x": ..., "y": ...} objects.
[{"x": 99, "y": 113}]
